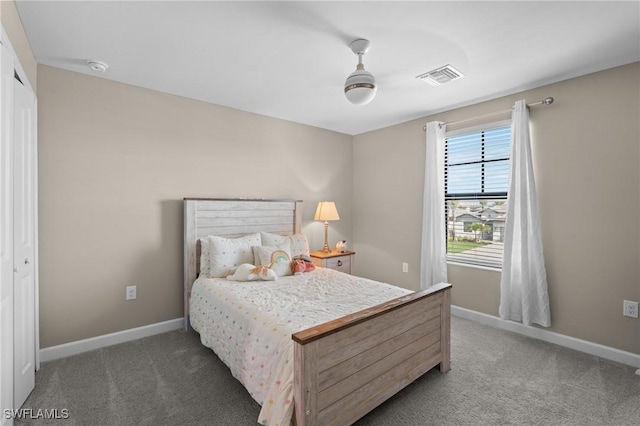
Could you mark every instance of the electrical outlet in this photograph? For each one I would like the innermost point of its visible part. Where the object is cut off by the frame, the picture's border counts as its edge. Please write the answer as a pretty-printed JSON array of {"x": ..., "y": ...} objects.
[
  {"x": 131, "y": 292},
  {"x": 630, "y": 309},
  {"x": 405, "y": 267}
]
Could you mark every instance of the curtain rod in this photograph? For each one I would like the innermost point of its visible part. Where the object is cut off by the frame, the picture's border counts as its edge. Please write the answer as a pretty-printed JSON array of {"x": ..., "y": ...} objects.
[{"x": 546, "y": 101}]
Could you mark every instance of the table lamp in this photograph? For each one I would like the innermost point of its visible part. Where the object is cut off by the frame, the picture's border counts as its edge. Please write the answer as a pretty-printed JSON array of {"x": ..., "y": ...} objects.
[{"x": 326, "y": 211}]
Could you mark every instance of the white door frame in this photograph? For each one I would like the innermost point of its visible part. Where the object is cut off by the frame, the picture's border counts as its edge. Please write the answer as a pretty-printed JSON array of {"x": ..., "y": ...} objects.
[
  {"x": 6, "y": 234},
  {"x": 4, "y": 40},
  {"x": 10, "y": 64}
]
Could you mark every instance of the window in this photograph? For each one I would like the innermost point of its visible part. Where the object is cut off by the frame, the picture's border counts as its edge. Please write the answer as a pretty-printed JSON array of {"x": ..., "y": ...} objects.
[{"x": 476, "y": 184}]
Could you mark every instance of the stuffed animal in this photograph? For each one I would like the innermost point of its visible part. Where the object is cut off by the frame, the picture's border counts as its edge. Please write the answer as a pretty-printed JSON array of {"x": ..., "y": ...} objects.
[
  {"x": 249, "y": 272},
  {"x": 300, "y": 266}
]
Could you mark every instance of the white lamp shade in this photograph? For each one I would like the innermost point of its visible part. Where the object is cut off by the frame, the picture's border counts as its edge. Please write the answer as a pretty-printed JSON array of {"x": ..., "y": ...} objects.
[
  {"x": 326, "y": 211},
  {"x": 360, "y": 87}
]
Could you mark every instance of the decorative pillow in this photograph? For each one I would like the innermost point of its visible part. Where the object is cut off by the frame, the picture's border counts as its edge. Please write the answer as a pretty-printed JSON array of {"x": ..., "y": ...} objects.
[
  {"x": 248, "y": 272},
  {"x": 298, "y": 242},
  {"x": 278, "y": 256},
  {"x": 228, "y": 253}
]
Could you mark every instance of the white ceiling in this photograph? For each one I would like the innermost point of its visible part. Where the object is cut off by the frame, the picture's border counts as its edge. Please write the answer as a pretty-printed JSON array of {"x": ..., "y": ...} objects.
[{"x": 290, "y": 59}]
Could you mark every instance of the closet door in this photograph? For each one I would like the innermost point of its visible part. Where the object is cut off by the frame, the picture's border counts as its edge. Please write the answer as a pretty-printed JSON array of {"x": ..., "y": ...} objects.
[
  {"x": 24, "y": 242},
  {"x": 6, "y": 235}
]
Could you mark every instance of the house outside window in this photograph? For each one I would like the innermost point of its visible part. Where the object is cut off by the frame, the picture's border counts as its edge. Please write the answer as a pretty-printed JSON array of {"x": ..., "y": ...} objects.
[{"x": 476, "y": 188}]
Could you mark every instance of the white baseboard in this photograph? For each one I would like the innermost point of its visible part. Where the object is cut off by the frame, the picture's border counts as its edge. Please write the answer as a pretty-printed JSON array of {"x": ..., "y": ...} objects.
[
  {"x": 77, "y": 347},
  {"x": 591, "y": 348}
]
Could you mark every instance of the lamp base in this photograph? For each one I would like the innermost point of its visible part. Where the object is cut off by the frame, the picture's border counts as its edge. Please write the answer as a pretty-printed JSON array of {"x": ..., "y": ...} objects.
[{"x": 325, "y": 247}]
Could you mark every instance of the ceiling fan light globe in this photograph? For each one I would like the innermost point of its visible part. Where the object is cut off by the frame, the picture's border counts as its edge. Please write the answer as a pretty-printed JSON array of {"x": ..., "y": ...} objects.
[{"x": 360, "y": 87}]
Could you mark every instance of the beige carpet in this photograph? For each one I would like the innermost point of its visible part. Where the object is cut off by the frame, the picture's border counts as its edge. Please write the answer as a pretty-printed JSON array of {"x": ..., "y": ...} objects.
[{"x": 497, "y": 378}]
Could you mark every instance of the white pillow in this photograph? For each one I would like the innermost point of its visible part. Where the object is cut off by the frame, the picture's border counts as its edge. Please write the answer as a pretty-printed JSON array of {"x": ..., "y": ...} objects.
[
  {"x": 298, "y": 242},
  {"x": 205, "y": 254},
  {"x": 278, "y": 256},
  {"x": 228, "y": 253}
]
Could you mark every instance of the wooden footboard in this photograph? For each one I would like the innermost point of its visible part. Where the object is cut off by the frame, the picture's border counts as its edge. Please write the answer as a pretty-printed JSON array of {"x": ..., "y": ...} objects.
[{"x": 345, "y": 368}]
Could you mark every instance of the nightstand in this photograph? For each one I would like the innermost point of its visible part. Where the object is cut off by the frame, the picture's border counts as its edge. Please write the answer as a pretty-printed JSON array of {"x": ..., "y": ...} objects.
[{"x": 340, "y": 261}]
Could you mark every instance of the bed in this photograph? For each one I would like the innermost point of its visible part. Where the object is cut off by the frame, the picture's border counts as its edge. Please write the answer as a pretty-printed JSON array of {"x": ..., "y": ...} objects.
[{"x": 341, "y": 368}]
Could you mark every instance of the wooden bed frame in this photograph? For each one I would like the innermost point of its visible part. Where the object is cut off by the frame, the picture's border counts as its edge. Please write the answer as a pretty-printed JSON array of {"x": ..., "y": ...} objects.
[{"x": 344, "y": 368}]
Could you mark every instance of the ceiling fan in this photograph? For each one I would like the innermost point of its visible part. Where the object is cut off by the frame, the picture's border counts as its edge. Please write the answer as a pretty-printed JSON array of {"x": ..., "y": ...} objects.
[{"x": 360, "y": 87}]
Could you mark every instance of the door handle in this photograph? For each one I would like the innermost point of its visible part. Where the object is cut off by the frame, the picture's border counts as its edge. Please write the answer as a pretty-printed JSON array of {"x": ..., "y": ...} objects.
[{"x": 27, "y": 261}]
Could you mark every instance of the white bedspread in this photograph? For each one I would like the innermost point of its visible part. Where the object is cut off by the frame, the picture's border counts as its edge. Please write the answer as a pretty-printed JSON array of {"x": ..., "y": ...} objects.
[{"x": 249, "y": 325}]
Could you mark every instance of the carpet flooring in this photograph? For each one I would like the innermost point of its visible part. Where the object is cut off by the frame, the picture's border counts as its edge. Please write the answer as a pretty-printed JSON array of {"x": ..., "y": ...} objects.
[{"x": 497, "y": 378}]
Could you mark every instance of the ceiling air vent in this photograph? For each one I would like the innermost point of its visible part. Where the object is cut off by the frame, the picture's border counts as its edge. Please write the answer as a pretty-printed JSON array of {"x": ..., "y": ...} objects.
[{"x": 441, "y": 75}]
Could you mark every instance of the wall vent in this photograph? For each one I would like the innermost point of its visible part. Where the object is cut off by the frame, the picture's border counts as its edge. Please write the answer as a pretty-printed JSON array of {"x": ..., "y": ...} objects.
[{"x": 441, "y": 75}]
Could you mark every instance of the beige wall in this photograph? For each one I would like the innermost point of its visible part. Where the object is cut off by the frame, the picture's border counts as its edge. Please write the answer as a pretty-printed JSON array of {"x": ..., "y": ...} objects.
[
  {"x": 13, "y": 26},
  {"x": 586, "y": 151},
  {"x": 115, "y": 163}
]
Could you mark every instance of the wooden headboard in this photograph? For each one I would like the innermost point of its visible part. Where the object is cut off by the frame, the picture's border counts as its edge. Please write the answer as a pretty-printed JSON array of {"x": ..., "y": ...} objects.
[{"x": 231, "y": 218}]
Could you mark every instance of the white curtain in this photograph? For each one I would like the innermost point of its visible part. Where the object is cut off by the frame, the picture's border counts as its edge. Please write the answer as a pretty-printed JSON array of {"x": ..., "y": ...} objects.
[
  {"x": 523, "y": 285},
  {"x": 433, "y": 266}
]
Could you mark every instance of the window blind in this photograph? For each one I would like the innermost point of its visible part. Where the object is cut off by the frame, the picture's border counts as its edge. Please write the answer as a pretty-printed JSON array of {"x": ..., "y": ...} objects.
[
  {"x": 477, "y": 164},
  {"x": 476, "y": 188}
]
